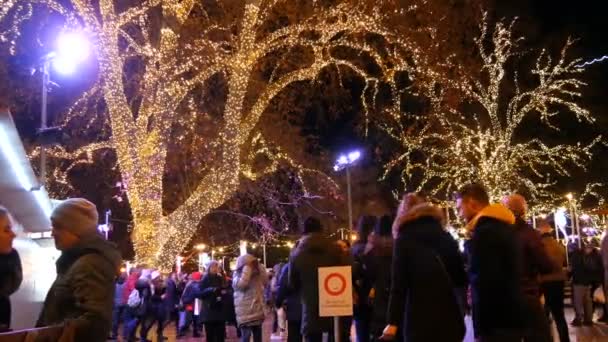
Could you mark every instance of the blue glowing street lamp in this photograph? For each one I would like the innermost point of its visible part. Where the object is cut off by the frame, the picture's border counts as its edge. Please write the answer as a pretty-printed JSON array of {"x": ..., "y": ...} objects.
[
  {"x": 71, "y": 49},
  {"x": 344, "y": 162}
]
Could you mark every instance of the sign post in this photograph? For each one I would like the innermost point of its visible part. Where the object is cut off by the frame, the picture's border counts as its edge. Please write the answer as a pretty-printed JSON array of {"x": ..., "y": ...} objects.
[{"x": 335, "y": 294}]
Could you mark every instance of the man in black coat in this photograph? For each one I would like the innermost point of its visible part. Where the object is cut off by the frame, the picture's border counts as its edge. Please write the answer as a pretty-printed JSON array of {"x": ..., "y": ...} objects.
[
  {"x": 314, "y": 250},
  {"x": 536, "y": 262},
  {"x": 494, "y": 266}
]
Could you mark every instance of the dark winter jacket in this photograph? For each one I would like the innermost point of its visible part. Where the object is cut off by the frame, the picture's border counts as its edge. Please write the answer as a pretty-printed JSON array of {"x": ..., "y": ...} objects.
[
  {"x": 10, "y": 280},
  {"x": 83, "y": 292},
  {"x": 377, "y": 261},
  {"x": 422, "y": 292},
  {"x": 288, "y": 297},
  {"x": 314, "y": 251},
  {"x": 172, "y": 296},
  {"x": 361, "y": 286},
  {"x": 118, "y": 291},
  {"x": 557, "y": 254},
  {"x": 213, "y": 293},
  {"x": 535, "y": 260},
  {"x": 587, "y": 269},
  {"x": 495, "y": 272},
  {"x": 191, "y": 292}
]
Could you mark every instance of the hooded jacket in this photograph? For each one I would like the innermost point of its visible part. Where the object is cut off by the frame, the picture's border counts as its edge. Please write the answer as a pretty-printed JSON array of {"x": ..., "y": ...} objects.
[
  {"x": 82, "y": 294},
  {"x": 495, "y": 272},
  {"x": 214, "y": 301},
  {"x": 249, "y": 284},
  {"x": 426, "y": 270},
  {"x": 314, "y": 250}
]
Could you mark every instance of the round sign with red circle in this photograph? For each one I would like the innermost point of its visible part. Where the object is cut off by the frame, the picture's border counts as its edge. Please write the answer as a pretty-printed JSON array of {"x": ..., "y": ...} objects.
[{"x": 335, "y": 284}]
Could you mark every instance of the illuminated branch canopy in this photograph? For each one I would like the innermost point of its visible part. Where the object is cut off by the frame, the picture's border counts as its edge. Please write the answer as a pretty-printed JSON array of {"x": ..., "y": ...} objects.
[{"x": 479, "y": 140}]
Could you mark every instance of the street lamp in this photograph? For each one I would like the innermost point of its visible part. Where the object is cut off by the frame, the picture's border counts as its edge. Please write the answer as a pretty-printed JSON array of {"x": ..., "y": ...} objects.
[
  {"x": 574, "y": 217},
  {"x": 71, "y": 49},
  {"x": 344, "y": 162}
]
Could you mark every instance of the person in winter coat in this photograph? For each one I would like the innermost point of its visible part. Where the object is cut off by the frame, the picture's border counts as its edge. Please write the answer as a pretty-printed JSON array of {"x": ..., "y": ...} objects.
[
  {"x": 314, "y": 250},
  {"x": 81, "y": 296},
  {"x": 426, "y": 265},
  {"x": 138, "y": 305},
  {"x": 129, "y": 286},
  {"x": 171, "y": 300},
  {"x": 213, "y": 293},
  {"x": 552, "y": 284},
  {"x": 377, "y": 259},
  {"x": 249, "y": 281},
  {"x": 10, "y": 269},
  {"x": 495, "y": 270},
  {"x": 362, "y": 310},
  {"x": 119, "y": 305},
  {"x": 535, "y": 263},
  {"x": 192, "y": 291},
  {"x": 155, "y": 311},
  {"x": 290, "y": 300},
  {"x": 587, "y": 269}
]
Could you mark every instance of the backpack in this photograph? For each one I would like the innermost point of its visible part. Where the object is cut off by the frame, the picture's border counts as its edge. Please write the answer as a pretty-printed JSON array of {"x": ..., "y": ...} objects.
[{"x": 134, "y": 299}]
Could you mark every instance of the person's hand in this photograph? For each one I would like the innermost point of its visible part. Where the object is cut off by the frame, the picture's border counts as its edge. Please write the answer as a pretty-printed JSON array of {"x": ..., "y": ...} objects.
[{"x": 389, "y": 333}]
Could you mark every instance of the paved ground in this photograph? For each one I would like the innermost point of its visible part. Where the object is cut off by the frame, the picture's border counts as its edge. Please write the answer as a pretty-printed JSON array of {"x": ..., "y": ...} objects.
[{"x": 596, "y": 333}]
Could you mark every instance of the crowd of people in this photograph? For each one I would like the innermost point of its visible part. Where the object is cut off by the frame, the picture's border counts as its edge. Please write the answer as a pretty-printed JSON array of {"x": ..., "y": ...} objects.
[{"x": 411, "y": 281}]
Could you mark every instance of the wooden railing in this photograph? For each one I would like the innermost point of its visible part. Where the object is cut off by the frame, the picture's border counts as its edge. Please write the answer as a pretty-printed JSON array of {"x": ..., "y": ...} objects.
[{"x": 47, "y": 334}]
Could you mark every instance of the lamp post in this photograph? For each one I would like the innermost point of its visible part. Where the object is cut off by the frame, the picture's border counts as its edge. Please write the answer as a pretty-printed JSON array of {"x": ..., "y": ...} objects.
[
  {"x": 574, "y": 217},
  {"x": 344, "y": 162},
  {"x": 72, "y": 48}
]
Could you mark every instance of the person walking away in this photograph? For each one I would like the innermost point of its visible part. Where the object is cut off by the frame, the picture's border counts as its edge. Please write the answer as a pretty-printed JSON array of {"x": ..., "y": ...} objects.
[
  {"x": 119, "y": 305},
  {"x": 191, "y": 292},
  {"x": 271, "y": 297},
  {"x": 171, "y": 300},
  {"x": 535, "y": 262},
  {"x": 10, "y": 269},
  {"x": 213, "y": 293},
  {"x": 552, "y": 284},
  {"x": 156, "y": 310},
  {"x": 377, "y": 262},
  {"x": 314, "y": 250},
  {"x": 425, "y": 260},
  {"x": 82, "y": 295},
  {"x": 362, "y": 310},
  {"x": 495, "y": 270},
  {"x": 248, "y": 282},
  {"x": 290, "y": 300},
  {"x": 587, "y": 268},
  {"x": 138, "y": 306}
]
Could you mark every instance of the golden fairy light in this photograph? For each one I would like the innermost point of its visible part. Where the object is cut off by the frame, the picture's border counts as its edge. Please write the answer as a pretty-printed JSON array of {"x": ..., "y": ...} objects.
[
  {"x": 174, "y": 62},
  {"x": 453, "y": 147}
]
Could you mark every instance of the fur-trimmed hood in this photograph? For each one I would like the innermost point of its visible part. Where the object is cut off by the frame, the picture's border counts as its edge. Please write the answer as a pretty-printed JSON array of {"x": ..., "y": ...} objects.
[
  {"x": 416, "y": 212},
  {"x": 495, "y": 211}
]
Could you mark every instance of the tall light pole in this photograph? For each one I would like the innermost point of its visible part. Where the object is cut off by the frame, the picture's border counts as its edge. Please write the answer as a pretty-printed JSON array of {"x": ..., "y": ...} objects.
[
  {"x": 344, "y": 162},
  {"x": 72, "y": 48},
  {"x": 574, "y": 218}
]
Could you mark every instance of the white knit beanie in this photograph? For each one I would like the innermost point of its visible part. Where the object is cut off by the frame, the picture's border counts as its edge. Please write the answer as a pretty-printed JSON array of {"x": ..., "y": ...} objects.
[{"x": 76, "y": 215}]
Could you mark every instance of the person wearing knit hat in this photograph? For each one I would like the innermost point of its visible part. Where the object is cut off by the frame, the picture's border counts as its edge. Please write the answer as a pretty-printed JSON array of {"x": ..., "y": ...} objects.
[
  {"x": 81, "y": 297},
  {"x": 72, "y": 220}
]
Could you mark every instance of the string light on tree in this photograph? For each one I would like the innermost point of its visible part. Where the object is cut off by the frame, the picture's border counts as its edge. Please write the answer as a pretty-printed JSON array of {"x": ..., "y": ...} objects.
[
  {"x": 451, "y": 147},
  {"x": 174, "y": 64}
]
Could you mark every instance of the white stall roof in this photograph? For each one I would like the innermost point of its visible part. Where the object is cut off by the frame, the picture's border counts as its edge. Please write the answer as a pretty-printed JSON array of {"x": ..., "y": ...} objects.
[{"x": 20, "y": 191}]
